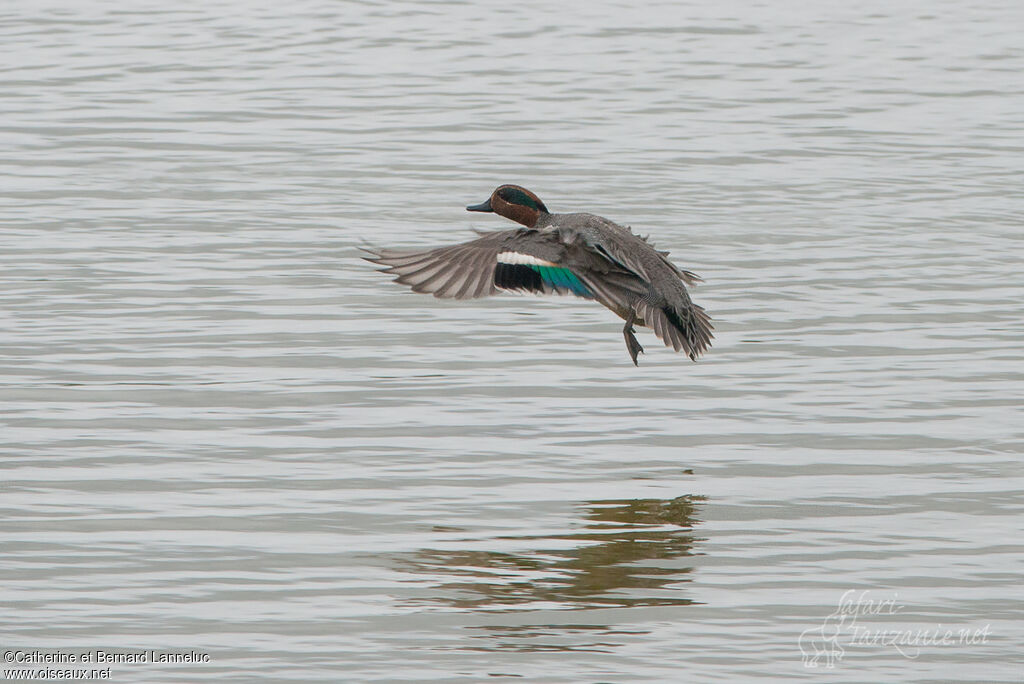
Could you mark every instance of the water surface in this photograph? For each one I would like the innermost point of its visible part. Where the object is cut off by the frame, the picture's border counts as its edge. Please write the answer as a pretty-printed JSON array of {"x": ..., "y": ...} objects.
[{"x": 224, "y": 432}]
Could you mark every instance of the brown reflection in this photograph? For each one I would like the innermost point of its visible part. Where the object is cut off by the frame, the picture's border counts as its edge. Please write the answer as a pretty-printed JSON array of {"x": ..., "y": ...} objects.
[{"x": 624, "y": 555}]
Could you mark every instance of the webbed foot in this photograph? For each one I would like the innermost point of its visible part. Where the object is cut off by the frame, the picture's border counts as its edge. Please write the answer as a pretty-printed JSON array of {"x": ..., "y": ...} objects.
[{"x": 632, "y": 346}]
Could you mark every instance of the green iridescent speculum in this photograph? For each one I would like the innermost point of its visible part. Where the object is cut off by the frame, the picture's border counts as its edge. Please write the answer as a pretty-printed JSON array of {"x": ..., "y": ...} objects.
[{"x": 562, "y": 278}]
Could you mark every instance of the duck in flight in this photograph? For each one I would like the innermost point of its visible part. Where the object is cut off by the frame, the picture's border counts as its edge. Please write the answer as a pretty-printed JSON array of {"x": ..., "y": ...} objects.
[{"x": 579, "y": 254}]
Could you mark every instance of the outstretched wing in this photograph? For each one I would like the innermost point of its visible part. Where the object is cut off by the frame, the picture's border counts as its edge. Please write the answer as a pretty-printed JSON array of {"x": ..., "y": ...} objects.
[{"x": 517, "y": 260}]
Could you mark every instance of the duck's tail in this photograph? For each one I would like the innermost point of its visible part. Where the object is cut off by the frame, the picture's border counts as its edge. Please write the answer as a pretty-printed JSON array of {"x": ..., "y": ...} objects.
[{"x": 685, "y": 328}]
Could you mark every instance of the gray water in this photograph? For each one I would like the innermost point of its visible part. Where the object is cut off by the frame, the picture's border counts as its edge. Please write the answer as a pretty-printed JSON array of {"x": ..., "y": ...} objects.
[{"x": 223, "y": 432}]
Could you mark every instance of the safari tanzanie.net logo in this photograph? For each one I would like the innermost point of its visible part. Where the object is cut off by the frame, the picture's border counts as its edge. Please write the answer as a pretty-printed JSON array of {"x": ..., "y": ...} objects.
[{"x": 861, "y": 620}]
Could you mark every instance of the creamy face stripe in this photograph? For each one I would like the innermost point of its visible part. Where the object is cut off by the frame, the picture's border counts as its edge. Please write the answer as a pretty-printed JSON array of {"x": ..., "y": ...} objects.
[{"x": 524, "y": 259}]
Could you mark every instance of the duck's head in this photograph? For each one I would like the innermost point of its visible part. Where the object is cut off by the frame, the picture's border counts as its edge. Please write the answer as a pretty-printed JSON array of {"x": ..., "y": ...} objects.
[{"x": 513, "y": 202}]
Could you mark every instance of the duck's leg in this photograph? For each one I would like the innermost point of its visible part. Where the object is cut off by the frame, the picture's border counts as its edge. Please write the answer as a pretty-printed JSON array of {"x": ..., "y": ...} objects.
[{"x": 632, "y": 346}]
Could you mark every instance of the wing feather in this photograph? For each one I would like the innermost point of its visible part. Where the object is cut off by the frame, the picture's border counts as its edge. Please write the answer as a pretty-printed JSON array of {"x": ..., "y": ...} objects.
[
  {"x": 463, "y": 270},
  {"x": 452, "y": 278},
  {"x": 466, "y": 270},
  {"x": 474, "y": 268}
]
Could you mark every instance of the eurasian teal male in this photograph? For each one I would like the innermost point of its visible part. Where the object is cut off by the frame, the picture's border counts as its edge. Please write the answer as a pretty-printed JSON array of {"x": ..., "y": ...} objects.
[{"x": 580, "y": 254}]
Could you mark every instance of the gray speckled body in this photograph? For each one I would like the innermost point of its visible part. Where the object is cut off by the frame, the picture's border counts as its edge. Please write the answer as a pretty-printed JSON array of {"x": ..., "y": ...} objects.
[{"x": 584, "y": 234}]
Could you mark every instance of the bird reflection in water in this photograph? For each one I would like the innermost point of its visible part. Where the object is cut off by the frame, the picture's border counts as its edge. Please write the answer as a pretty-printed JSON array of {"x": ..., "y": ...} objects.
[{"x": 626, "y": 554}]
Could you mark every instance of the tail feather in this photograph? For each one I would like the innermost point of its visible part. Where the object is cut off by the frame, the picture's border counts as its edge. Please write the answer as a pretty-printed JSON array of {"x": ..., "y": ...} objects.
[{"x": 684, "y": 329}]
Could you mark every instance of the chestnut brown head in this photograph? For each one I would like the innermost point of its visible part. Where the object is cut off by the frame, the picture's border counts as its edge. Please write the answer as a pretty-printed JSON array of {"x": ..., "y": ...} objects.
[{"x": 515, "y": 203}]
